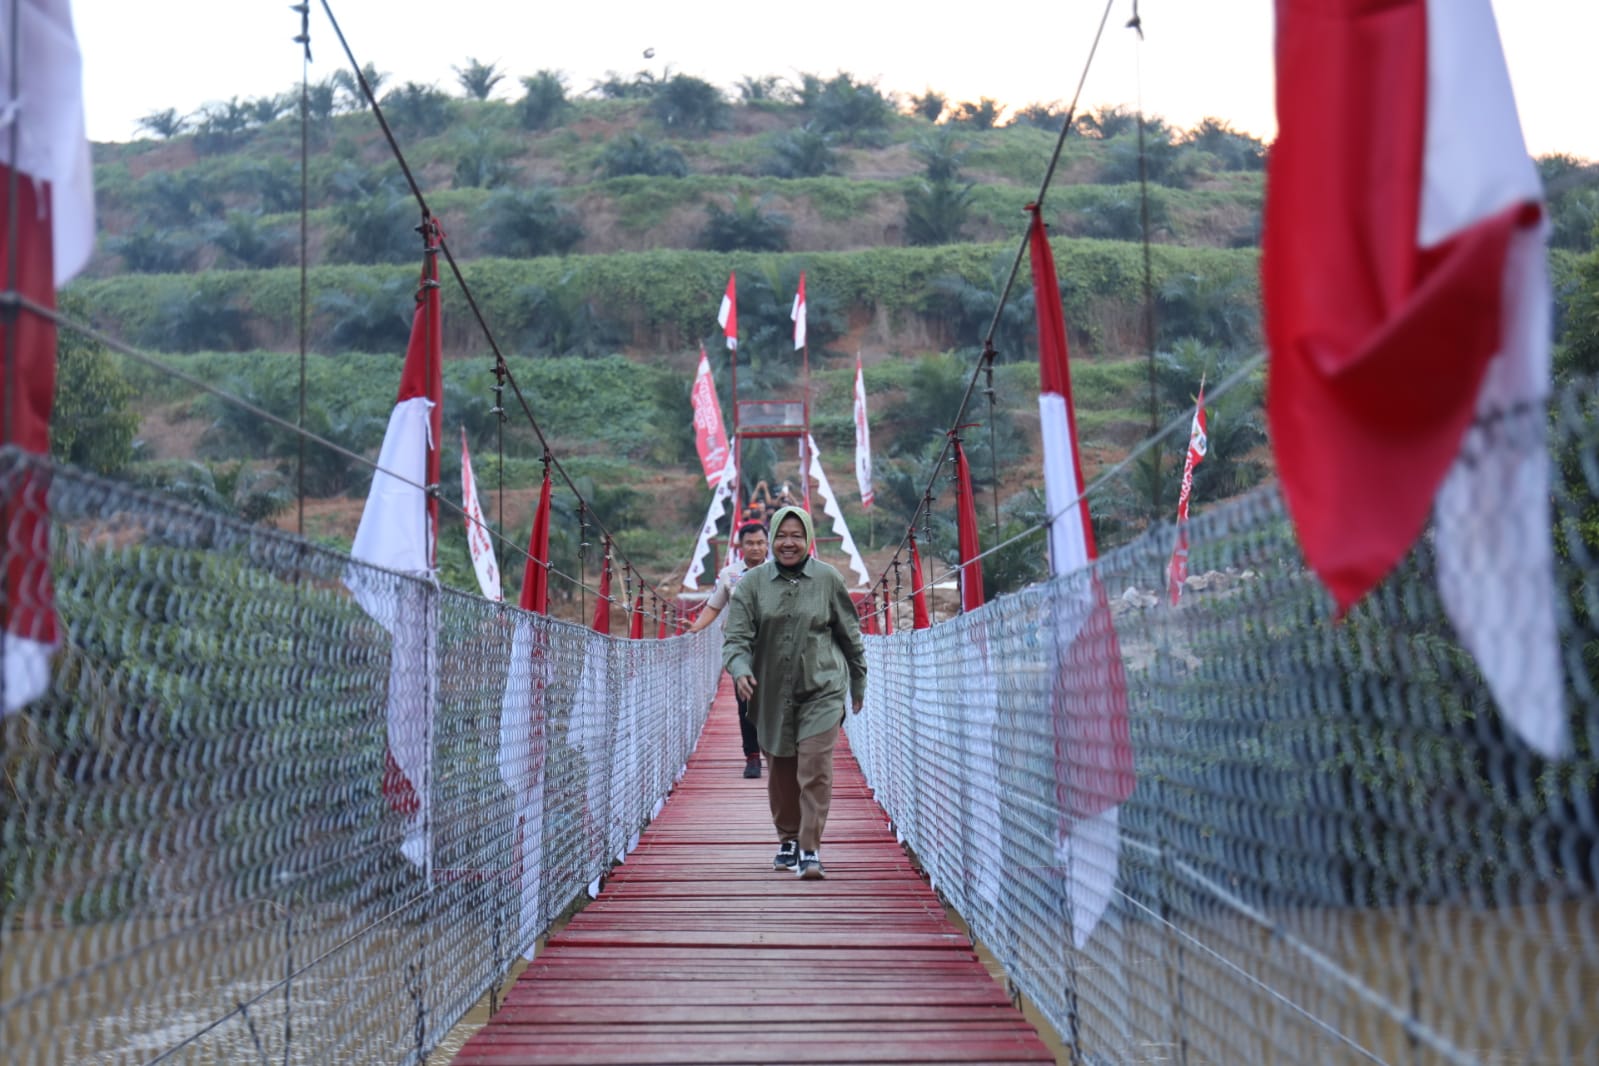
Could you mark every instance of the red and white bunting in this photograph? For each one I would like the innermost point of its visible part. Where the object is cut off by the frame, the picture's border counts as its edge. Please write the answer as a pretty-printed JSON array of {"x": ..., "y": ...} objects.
[
  {"x": 797, "y": 313},
  {"x": 1093, "y": 745},
  {"x": 863, "y": 438},
  {"x": 398, "y": 531},
  {"x": 54, "y": 216},
  {"x": 710, "y": 437},
  {"x": 727, "y": 314},
  {"x": 832, "y": 510},
  {"x": 478, "y": 542},
  {"x": 1407, "y": 305},
  {"x": 1198, "y": 442},
  {"x": 725, "y": 484}
]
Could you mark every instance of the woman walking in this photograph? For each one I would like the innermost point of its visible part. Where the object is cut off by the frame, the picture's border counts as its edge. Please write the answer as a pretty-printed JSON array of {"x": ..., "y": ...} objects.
[{"x": 792, "y": 643}]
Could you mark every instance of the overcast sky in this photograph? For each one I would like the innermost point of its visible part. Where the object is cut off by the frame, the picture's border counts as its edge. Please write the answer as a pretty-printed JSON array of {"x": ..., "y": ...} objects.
[{"x": 1199, "y": 57}]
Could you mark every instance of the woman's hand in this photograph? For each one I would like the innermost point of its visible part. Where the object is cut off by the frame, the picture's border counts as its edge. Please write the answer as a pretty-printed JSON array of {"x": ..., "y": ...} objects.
[
  {"x": 745, "y": 687},
  {"x": 856, "y": 707}
]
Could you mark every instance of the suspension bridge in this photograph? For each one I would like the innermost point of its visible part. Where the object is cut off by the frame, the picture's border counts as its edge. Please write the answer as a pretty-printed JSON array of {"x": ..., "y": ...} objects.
[{"x": 1253, "y": 827}]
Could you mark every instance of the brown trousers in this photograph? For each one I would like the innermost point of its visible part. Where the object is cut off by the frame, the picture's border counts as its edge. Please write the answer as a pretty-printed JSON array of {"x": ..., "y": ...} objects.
[{"x": 800, "y": 789}]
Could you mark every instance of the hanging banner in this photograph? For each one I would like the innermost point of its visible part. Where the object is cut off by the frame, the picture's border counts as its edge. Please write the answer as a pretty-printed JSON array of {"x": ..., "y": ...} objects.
[
  {"x": 724, "y": 492},
  {"x": 478, "y": 541},
  {"x": 831, "y": 509},
  {"x": 1177, "y": 570},
  {"x": 863, "y": 438},
  {"x": 710, "y": 438}
]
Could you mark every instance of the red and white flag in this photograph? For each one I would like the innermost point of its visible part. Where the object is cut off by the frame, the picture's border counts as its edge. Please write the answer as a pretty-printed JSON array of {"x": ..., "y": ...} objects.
[
  {"x": 522, "y": 726},
  {"x": 920, "y": 619},
  {"x": 602, "y": 599},
  {"x": 1198, "y": 442},
  {"x": 797, "y": 313},
  {"x": 727, "y": 314},
  {"x": 478, "y": 542},
  {"x": 971, "y": 567},
  {"x": 710, "y": 437},
  {"x": 1093, "y": 745},
  {"x": 863, "y": 438},
  {"x": 54, "y": 216},
  {"x": 1408, "y": 304},
  {"x": 398, "y": 532}
]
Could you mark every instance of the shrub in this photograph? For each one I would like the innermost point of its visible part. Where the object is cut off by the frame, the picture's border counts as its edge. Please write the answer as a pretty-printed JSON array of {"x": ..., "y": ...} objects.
[
  {"x": 744, "y": 227},
  {"x": 1041, "y": 116},
  {"x": 378, "y": 229},
  {"x": 634, "y": 154},
  {"x": 983, "y": 115},
  {"x": 802, "y": 153},
  {"x": 93, "y": 423},
  {"x": 856, "y": 111},
  {"x": 544, "y": 101},
  {"x": 247, "y": 241},
  {"x": 417, "y": 110},
  {"x": 478, "y": 79},
  {"x": 683, "y": 102},
  {"x": 204, "y": 318},
  {"x": 522, "y": 223},
  {"x": 936, "y": 211},
  {"x": 1232, "y": 150},
  {"x": 762, "y": 87},
  {"x": 149, "y": 250},
  {"x": 930, "y": 105},
  {"x": 368, "y": 315},
  {"x": 482, "y": 160}
]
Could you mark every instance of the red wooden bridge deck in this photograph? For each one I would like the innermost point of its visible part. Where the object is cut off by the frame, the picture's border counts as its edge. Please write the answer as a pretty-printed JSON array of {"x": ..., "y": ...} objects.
[{"x": 697, "y": 951}]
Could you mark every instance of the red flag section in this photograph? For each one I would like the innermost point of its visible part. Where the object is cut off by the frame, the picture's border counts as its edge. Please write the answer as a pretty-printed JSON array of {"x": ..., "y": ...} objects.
[
  {"x": 1407, "y": 306},
  {"x": 635, "y": 624},
  {"x": 971, "y": 568},
  {"x": 919, "y": 615},
  {"x": 888, "y": 613},
  {"x": 602, "y": 602},
  {"x": 536, "y": 577},
  {"x": 1093, "y": 746},
  {"x": 1177, "y": 569},
  {"x": 54, "y": 237},
  {"x": 727, "y": 314}
]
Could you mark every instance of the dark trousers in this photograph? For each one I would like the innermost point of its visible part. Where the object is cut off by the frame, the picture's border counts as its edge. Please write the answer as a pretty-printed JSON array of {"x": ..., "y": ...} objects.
[{"x": 752, "y": 747}]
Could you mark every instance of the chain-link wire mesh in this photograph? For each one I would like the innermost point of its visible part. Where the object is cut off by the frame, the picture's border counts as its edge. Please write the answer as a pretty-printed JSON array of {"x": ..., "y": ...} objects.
[
  {"x": 200, "y": 834},
  {"x": 1334, "y": 848}
]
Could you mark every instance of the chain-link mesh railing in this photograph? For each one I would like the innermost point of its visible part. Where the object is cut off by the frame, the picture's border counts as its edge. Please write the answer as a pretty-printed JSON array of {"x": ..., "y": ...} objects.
[
  {"x": 200, "y": 834},
  {"x": 1332, "y": 847}
]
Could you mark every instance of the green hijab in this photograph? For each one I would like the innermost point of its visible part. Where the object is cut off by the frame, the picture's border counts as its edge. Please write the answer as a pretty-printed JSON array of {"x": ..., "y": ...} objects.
[{"x": 805, "y": 520}]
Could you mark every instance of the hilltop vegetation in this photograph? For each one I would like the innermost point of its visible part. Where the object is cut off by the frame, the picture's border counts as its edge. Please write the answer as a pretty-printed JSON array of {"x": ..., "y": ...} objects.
[{"x": 596, "y": 231}]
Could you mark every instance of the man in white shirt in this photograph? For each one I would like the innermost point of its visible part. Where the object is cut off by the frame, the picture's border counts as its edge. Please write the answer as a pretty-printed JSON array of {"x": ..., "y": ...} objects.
[{"x": 752, "y": 552}]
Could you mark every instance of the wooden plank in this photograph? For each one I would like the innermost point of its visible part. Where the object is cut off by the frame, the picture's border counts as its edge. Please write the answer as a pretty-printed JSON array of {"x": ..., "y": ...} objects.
[{"x": 698, "y": 952}]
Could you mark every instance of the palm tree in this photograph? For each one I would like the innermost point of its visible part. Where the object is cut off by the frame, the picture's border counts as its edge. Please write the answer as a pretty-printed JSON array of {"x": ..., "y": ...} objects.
[
  {"x": 478, "y": 79},
  {"x": 929, "y": 105},
  {"x": 543, "y": 100},
  {"x": 803, "y": 153},
  {"x": 165, "y": 124},
  {"x": 744, "y": 226},
  {"x": 352, "y": 86},
  {"x": 936, "y": 211}
]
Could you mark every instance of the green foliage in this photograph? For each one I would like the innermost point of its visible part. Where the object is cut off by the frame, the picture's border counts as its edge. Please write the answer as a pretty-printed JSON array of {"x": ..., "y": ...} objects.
[
  {"x": 562, "y": 320},
  {"x": 758, "y": 87},
  {"x": 634, "y": 154},
  {"x": 350, "y": 85},
  {"x": 234, "y": 489},
  {"x": 1157, "y": 157},
  {"x": 929, "y": 105},
  {"x": 1049, "y": 117},
  {"x": 744, "y": 226},
  {"x": 148, "y": 250},
  {"x": 482, "y": 159},
  {"x": 802, "y": 153},
  {"x": 367, "y": 315},
  {"x": 377, "y": 229},
  {"x": 167, "y": 198},
  {"x": 1217, "y": 309},
  {"x": 968, "y": 308},
  {"x": 416, "y": 111},
  {"x": 1579, "y": 349},
  {"x": 1232, "y": 150},
  {"x": 246, "y": 240},
  {"x": 543, "y": 102},
  {"x": 224, "y": 126},
  {"x": 529, "y": 222},
  {"x": 936, "y": 211},
  {"x": 856, "y": 111},
  {"x": 275, "y": 183},
  {"x": 478, "y": 79},
  {"x": 983, "y": 115},
  {"x": 941, "y": 154},
  {"x": 203, "y": 318},
  {"x": 1107, "y": 121},
  {"x": 92, "y": 424},
  {"x": 613, "y": 86},
  {"x": 685, "y": 103}
]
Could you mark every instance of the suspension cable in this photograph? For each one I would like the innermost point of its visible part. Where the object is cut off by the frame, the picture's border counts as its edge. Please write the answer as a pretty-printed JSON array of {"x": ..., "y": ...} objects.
[
  {"x": 501, "y": 366},
  {"x": 1010, "y": 279}
]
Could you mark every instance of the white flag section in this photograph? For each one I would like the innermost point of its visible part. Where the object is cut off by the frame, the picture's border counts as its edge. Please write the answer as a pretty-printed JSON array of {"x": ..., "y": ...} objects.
[
  {"x": 522, "y": 750},
  {"x": 590, "y": 733},
  {"x": 727, "y": 313},
  {"x": 831, "y": 509},
  {"x": 394, "y": 534},
  {"x": 863, "y": 438},
  {"x": 713, "y": 514},
  {"x": 52, "y": 139},
  {"x": 478, "y": 541},
  {"x": 797, "y": 313},
  {"x": 1493, "y": 539}
]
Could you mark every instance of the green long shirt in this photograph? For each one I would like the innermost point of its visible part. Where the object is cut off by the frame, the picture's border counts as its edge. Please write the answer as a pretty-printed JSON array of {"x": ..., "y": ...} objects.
[{"x": 798, "y": 635}]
